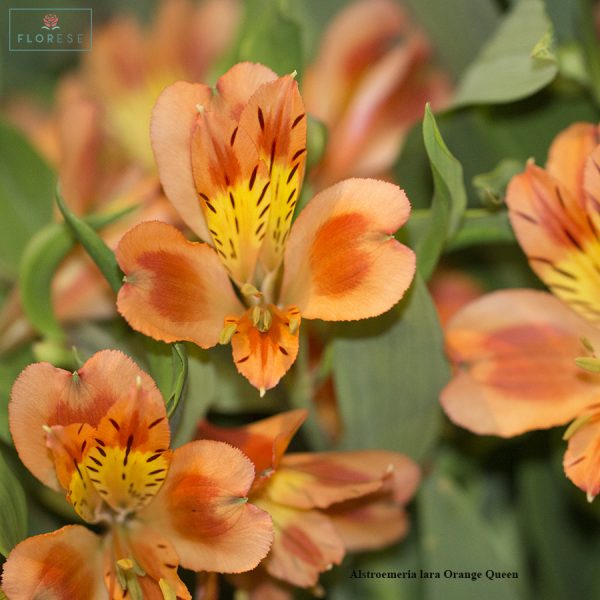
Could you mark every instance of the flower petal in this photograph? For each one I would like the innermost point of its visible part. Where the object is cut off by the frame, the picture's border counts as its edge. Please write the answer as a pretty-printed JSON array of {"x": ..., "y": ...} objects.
[
  {"x": 318, "y": 480},
  {"x": 514, "y": 353},
  {"x": 233, "y": 189},
  {"x": 305, "y": 545},
  {"x": 175, "y": 289},
  {"x": 370, "y": 522},
  {"x": 356, "y": 39},
  {"x": 341, "y": 261},
  {"x": 128, "y": 458},
  {"x": 264, "y": 442},
  {"x": 63, "y": 565},
  {"x": 583, "y": 457},
  {"x": 45, "y": 395},
  {"x": 559, "y": 238},
  {"x": 264, "y": 357},
  {"x": 369, "y": 83},
  {"x": 202, "y": 510},
  {"x": 237, "y": 86},
  {"x": 173, "y": 120},
  {"x": 68, "y": 446},
  {"x": 568, "y": 154},
  {"x": 275, "y": 119}
]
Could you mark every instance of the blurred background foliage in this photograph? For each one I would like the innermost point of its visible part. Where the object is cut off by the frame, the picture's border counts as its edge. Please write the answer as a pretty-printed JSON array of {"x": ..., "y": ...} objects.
[{"x": 485, "y": 503}]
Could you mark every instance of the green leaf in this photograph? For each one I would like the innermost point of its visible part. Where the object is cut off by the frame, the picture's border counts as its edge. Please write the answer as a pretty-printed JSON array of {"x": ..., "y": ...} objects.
[
  {"x": 388, "y": 374},
  {"x": 200, "y": 394},
  {"x": 481, "y": 137},
  {"x": 456, "y": 537},
  {"x": 26, "y": 194},
  {"x": 270, "y": 36},
  {"x": 449, "y": 197},
  {"x": 491, "y": 186},
  {"x": 588, "y": 34},
  {"x": 180, "y": 371},
  {"x": 42, "y": 256},
  {"x": 482, "y": 227},
  {"x": 518, "y": 61},
  {"x": 558, "y": 548},
  {"x": 94, "y": 245},
  {"x": 13, "y": 510}
]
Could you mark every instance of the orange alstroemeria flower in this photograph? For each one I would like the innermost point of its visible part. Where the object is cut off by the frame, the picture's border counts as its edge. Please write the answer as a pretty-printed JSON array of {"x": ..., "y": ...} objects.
[
  {"x": 232, "y": 164},
  {"x": 102, "y": 435},
  {"x": 322, "y": 504},
  {"x": 370, "y": 80},
  {"x": 515, "y": 350}
]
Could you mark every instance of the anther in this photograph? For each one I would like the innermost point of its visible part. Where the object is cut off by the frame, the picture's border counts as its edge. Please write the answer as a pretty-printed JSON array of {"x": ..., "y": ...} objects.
[{"x": 227, "y": 333}]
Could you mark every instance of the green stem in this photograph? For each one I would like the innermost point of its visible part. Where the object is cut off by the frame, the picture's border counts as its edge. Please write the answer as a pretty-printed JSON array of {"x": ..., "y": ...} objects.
[{"x": 591, "y": 47}]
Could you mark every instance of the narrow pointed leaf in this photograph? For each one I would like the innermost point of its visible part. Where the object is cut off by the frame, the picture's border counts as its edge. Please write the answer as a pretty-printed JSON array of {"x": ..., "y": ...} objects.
[
  {"x": 94, "y": 245},
  {"x": 42, "y": 257},
  {"x": 449, "y": 198}
]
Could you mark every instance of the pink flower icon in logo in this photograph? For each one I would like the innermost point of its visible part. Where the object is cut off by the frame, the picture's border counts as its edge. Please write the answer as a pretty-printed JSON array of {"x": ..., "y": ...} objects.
[{"x": 50, "y": 22}]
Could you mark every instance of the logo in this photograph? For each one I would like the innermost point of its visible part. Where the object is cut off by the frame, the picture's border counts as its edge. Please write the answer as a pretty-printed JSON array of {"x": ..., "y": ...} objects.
[
  {"x": 50, "y": 22},
  {"x": 49, "y": 29}
]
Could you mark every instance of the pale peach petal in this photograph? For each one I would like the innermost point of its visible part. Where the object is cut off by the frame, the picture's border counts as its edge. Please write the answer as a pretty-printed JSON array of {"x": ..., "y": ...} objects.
[
  {"x": 305, "y": 544},
  {"x": 80, "y": 138},
  {"x": 560, "y": 240},
  {"x": 175, "y": 289},
  {"x": 568, "y": 154},
  {"x": 202, "y": 510},
  {"x": 44, "y": 395},
  {"x": 514, "y": 352},
  {"x": 369, "y": 523},
  {"x": 173, "y": 120},
  {"x": 318, "y": 480},
  {"x": 63, "y": 565},
  {"x": 356, "y": 38},
  {"x": 582, "y": 458},
  {"x": 369, "y": 84},
  {"x": 388, "y": 100},
  {"x": 264, "y": 357},
  {"x": 237, "y": 86},
  {"x": 341, "y": 260},
  {"x": 264, "y": 442}
]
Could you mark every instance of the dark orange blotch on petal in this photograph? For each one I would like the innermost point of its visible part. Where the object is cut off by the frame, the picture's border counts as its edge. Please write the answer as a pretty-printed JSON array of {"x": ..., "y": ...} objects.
[
  {"x": 181, "y": 288},
  {"x": 340, "y": 271},
  {"x": 62, "y": 565}
]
